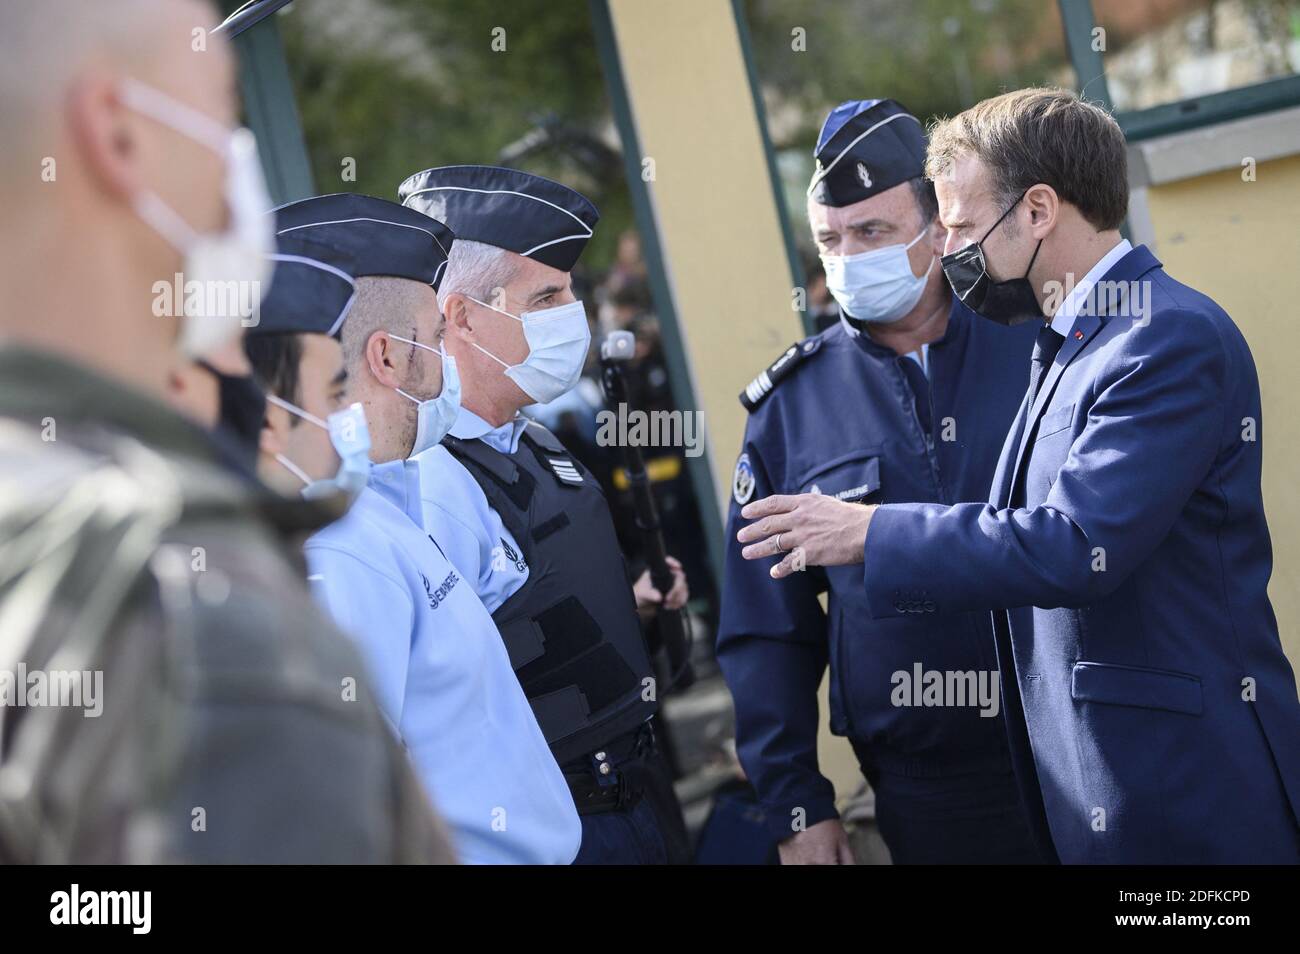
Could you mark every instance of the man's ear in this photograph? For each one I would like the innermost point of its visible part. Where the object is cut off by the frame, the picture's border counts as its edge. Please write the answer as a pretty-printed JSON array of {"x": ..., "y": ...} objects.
[
  {"x": 938, "y": 237},
  {"x": 378, "y": 356},
  {"x": 455, "y": 312},
  {"x": 1044, "y": 206},
  {"x": 102, "y": 131},
  {"x": 271, "y": 441}
]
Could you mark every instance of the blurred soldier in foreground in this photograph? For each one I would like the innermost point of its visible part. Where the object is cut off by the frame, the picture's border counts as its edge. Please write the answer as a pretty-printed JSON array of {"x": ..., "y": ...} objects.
[{"x": 202, "y": 712}]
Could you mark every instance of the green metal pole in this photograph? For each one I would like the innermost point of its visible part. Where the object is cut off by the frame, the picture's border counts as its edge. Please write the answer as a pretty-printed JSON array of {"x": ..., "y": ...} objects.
[{"x": 270, "y": 110}]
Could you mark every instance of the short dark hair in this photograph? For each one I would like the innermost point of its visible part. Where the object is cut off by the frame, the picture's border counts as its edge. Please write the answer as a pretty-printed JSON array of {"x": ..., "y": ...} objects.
[
  {"x": 276, "y": 361},
  {"x": 926, "y": 201},
  {"x": 1042, "y": 135}
]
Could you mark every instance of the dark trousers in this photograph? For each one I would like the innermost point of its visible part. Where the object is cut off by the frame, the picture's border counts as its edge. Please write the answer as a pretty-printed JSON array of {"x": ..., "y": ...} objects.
[
  {"x": 628, "y": 836},
  {"x": 956, "y": 820},
  {"x": 650, "y": 831}
]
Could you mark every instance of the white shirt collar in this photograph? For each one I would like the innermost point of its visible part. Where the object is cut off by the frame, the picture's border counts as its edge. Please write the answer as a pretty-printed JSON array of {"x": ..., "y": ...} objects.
[
  {"x": 504, "y": 438},
  {"x": 1063, "y": 320}
]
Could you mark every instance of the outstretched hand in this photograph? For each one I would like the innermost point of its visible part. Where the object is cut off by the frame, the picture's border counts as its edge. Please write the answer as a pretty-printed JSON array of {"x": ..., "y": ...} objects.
[{"x": 809, "y": 529}]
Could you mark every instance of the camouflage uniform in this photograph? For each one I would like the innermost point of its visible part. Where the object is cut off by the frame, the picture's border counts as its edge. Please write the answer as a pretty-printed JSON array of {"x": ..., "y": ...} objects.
[{"x": 230, "y": 729}]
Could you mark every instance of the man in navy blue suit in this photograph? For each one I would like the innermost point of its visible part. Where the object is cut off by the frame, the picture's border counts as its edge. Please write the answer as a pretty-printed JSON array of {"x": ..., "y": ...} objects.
[{"x": 1124, "y": 552}]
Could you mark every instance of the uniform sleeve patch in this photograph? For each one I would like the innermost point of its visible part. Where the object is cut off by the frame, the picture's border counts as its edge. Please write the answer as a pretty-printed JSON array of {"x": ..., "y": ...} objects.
[{"x": 742, "y": 481}]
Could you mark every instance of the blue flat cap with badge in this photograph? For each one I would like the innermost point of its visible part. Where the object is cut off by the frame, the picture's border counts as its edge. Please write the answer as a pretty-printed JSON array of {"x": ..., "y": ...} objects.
[
  {"x": 311, "y": 292},
  {"x": 865, "y": 147},
  {"x": 506, "y": 208},
  {"x": 385, "y": 239}
]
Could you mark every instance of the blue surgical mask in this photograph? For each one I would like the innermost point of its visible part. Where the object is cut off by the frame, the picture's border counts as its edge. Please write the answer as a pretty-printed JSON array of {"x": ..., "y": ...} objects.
[
  {"x": 876, "y": 286},
  {"x": 558, "y": 339},
  {"x": 351, "y": 440},
  {"x": 435, "y": 415}
]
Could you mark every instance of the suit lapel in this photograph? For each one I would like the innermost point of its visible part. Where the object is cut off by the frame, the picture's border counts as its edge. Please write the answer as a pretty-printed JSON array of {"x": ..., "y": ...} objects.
[
  {"x": 1085, "y": 327},
  {"x": 1128, "y": 269}
]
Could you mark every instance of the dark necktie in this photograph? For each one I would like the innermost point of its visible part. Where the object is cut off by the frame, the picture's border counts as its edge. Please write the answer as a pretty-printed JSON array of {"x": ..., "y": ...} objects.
[{"x": 1045, "y": 348}]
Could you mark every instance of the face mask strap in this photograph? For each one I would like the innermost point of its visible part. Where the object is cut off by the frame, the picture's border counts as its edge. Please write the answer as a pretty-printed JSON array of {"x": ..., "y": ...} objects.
[
  {"x": 924, "y": 230},
  {"x": 160, "y": 107},
  {"x": 491, "y": 355},
  {"x": 296, "y": 410},
  {"x": 1003, "y": 216},
  {"x": 292, "y": 468},
  {"x": 493, "y": 308},
  {"x": 164, "y": 220},
  {"x": 437, "y": 351},
  {"x": 1033, "y": 258}
]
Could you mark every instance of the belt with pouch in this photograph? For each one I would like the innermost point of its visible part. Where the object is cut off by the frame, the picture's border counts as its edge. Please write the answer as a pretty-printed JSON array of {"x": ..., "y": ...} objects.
[{"x": 612, "y": 778}]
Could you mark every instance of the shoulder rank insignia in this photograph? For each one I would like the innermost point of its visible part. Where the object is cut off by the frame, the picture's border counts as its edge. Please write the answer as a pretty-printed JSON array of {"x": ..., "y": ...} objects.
[
  {"x": 564, "y": 469},
  {"x": 762, "y": 385}
]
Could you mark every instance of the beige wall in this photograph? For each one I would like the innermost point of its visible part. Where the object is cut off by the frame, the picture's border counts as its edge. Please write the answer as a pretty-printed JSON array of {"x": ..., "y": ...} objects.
[
  {"x": 1238, "y": 242},
  {"x": 713, "y": 202}
]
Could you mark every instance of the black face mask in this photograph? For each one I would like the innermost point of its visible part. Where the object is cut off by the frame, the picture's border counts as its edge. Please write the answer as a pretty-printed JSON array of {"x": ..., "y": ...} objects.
[
  {"x": 1008, "y": 303},
  {"x": 243, "y": 410}
]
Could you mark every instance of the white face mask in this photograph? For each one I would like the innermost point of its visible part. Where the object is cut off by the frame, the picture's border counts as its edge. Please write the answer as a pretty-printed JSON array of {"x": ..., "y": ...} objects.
[
  {"x": 876, "y": 286},
  {"x": 350, "y": 437},
  {"x": 435, "y": 415},
  {"x": 558, "y": 339},
  {"x": 239, "y": 255}
]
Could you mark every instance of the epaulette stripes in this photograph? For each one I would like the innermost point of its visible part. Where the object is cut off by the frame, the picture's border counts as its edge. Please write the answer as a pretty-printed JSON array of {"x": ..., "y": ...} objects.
[{"x": 759, "y": 388}]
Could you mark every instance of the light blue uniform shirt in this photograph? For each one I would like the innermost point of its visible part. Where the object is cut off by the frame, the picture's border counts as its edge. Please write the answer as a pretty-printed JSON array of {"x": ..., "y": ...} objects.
[
  {"x": 443, "y": 678},
  {"x": 456, "y": 513}
]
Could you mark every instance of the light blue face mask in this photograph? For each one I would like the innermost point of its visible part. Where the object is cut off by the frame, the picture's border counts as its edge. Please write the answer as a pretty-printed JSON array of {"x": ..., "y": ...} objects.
[
  {"x": 350, "y": 437},
  {"x": 558, "y": 339},
  {"x": 435, "y": 415},
  {"x": 879, "y": 285}
]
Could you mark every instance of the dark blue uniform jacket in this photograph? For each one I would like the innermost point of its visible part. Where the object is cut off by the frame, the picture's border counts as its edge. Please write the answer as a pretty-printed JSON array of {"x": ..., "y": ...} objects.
[{"x": 843, "y": 416}]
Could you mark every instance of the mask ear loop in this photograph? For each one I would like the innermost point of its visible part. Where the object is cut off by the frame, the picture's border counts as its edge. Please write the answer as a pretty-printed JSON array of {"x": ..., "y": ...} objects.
[
  {"x": 484, "y": 350},
  {"x": 292, "y": 468},
  {"x": 493, "y": 308},
  {"x": 294, "y": 409},
  {"x": 174, "y": 114},
  {"x": 933, "y": 257},
  {"x": 438, "y": 351},
  {"x": 297, "y": 411}
]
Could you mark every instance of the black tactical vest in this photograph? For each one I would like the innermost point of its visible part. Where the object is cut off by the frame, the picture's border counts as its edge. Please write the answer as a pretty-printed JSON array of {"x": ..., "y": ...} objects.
[{"x": 572, "y": 629}]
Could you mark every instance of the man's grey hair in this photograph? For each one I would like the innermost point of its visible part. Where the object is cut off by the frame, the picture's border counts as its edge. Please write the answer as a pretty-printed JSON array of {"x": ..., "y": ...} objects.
[{"x": 477, "y": 270}]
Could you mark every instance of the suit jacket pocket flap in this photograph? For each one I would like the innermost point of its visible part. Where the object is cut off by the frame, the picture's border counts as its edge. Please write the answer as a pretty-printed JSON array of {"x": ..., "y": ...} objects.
[
  {"x": 1118, "y": 685},
  {"x": 1055, "y": 421}
]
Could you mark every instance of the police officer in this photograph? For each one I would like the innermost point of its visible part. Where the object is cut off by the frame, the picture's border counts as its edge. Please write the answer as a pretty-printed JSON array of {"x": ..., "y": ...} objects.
[
  {"x": 522, "y": 519},
  {"x": 907, "y": 397},
  {"x": 438, "y": 663}
]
